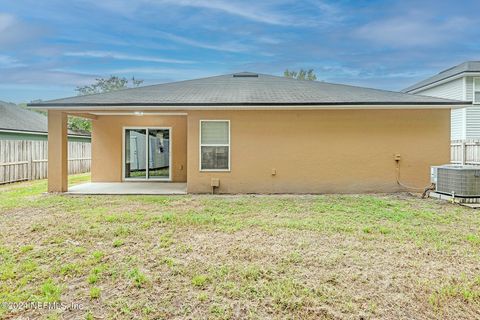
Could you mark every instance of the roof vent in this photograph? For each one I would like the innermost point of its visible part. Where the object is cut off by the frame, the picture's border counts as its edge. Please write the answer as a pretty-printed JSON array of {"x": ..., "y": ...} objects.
[{"x": 245, "y": 75}]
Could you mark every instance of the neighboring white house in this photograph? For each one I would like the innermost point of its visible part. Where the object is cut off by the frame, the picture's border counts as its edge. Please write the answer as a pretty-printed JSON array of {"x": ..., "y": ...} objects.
[{"x": 461, "y": 82}]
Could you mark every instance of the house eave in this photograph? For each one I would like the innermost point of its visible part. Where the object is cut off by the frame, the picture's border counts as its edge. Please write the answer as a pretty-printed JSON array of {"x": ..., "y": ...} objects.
[
  {"x": 40, "y": 133},
  {"x": 248, "y": 106},
  {"x": 442, "y": 81}
]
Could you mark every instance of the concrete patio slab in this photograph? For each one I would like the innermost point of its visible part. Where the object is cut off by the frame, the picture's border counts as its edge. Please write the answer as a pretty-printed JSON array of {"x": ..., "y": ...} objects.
[{"x": 159, "y": 188}]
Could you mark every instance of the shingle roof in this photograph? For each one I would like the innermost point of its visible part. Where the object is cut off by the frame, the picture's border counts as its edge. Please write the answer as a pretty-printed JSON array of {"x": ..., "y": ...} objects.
[
  {"x": 245, "y": 89},
  {"x": 15, "y": 118},
  {"x": 468, "y": 66}
]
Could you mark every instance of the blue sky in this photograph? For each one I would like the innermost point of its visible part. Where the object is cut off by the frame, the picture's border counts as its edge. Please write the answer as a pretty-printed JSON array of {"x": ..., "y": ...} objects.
[{"x": 49, "y": 47}]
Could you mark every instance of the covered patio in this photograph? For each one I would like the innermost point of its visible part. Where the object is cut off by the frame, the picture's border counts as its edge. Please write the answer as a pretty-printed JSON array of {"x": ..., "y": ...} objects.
[
  {"x": 131, "y": 154},
  {"x": 125, "y": 188}
]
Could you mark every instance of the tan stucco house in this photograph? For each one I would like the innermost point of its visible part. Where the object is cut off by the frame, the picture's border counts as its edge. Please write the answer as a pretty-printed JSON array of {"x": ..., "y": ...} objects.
[{"x": 255, "y": 133}]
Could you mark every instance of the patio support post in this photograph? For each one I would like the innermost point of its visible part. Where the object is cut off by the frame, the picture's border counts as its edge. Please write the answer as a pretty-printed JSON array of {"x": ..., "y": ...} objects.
[{"x": 57, "y": 151}]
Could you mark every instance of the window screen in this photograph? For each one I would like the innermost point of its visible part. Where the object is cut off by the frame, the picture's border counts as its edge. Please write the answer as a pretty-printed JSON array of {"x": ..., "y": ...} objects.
[{"x": 214, "y": 145}]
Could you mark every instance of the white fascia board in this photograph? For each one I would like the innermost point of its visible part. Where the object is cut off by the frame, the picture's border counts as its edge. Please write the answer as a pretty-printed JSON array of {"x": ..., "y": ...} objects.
[
  {"x": 102, "y": 110},
  {"x": 437, "y": 83}
]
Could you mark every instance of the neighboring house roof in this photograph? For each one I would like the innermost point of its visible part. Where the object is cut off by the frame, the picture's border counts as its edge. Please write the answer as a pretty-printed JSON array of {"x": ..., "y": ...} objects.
[
  {"x": 242, "y": 89},
  {"x": 15, "y": 118},
  {"x": 463, "y": 68}
]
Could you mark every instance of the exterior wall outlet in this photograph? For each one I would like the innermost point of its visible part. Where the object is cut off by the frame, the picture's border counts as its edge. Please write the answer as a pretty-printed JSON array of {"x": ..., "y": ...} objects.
[
  {"x": 215, "y": 182},
  {"x": 274, "y": 172},
  {"x": 397, "y": 157}
]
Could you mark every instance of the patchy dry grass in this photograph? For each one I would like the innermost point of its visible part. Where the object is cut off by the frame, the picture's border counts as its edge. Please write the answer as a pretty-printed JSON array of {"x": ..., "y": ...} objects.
[{"x": 238, "y": 257}]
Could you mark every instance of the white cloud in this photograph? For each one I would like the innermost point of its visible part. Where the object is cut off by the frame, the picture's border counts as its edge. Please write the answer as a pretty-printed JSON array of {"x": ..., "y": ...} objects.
[
  {"x": 250, "y": 11},
  {"x": 14, "y": 31},
  {"x": 257, "y": 11},
  {"x": 122, "y": 56},
  {"x": 268, "y": 39},
  {"x": 45, "y": 77},
  {"x": 328, "y": 12},
  {"x": 228, "y": 46},
  {"x": 9, "y": 62},
  {"x": 162, "y": 72},
  {"x": 414, "y": 30},
  {"x": 122, "y": 7},
  {"x": 6, "y": 21},
  {"x": 149, "y": 74}
]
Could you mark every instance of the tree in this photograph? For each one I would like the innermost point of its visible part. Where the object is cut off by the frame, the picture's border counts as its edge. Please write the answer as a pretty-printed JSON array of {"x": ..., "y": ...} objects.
[
  {"x": 79, "y": 124},
  {"x": 136, "y": 83},
  {"x": 106, "y": 85},
  {"x": 301, "y": 75},
  {"x": 101, "y": 85}
]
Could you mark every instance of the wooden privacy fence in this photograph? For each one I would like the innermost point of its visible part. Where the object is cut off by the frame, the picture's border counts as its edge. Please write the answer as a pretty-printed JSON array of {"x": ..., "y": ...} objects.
[
  {"x": 465, "y": 151},
  {"x": 28, "y": 160}
]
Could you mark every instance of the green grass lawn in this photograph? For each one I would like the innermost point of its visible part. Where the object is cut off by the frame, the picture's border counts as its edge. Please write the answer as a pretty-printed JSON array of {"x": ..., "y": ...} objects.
[{"x": 237, "y": 257}]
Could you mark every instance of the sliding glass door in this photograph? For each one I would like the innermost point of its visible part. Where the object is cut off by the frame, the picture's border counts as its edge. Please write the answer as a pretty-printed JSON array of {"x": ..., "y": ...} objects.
[
  {"x": 135, "y": 152},
  {"x": 147, "y": 154},
  {"x": 158, "y": 153}
]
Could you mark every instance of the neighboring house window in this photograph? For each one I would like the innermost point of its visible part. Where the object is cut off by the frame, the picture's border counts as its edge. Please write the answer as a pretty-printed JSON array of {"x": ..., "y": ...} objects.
[
  {"x": 214, "y": 145},
  {"x": 476, "y": 90}
]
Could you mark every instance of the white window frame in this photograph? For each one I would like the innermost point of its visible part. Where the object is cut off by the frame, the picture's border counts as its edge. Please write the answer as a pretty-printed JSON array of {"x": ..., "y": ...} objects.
[
  {"x": 213, "y": 145},
  {"x": 475, "y": 81}
]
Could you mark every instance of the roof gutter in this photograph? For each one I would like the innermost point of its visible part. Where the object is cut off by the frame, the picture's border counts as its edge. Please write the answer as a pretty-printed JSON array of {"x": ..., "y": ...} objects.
[
  {"x": 40, "y": 133},
  {"x": 249, "y": 106},
  {"x": 143, "y": 104},
  {"x": 23, "y": 131}
]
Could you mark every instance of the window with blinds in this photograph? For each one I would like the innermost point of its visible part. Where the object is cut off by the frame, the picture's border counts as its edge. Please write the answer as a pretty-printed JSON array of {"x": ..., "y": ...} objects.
[{"x": 214, "y": 145}]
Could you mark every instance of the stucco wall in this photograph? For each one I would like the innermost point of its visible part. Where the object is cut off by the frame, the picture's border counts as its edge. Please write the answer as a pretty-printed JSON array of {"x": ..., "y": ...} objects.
[
  {"x": 107, "y": 144},
  {"x": 323, "y": 151}
]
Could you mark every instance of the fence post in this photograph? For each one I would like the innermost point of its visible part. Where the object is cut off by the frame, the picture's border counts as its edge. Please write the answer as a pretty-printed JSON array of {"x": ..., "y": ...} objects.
[
  {"x": 29, "y": 159},
  {"x": 464, "y": 153}
]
